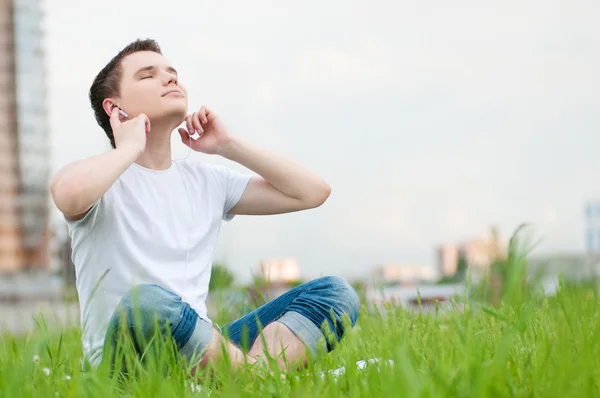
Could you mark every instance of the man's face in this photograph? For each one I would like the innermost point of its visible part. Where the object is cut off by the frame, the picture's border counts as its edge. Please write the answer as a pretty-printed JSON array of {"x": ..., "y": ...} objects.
[{"x": 149, "y": 85}]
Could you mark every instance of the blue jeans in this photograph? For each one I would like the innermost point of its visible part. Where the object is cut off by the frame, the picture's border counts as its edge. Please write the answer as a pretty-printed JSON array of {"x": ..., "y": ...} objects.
[{"x": 317, "y": 312}]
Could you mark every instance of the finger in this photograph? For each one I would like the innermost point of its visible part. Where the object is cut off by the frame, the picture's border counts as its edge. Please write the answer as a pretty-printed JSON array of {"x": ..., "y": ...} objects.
[
  {"x": 185, "y": 136},
  {"x": 114, "y": 118},
  {"x": 196, "y": 122},
  {"x": 142, "y": 119},
  {"x": 147, "y": 123},
  {"x": 188, "y": 123},
  {"x": 204, "y": 114}
]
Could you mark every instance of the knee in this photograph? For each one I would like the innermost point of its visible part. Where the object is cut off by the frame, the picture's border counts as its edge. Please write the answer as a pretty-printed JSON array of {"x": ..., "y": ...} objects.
[
  {"x": 344, "y": 295},
  {"x": 140, "y": 307},
  {"x": 143, "y": 298}
]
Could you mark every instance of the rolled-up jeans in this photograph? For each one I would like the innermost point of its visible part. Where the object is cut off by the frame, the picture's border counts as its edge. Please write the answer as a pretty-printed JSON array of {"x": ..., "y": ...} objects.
[{"x": 317, "y": 312}]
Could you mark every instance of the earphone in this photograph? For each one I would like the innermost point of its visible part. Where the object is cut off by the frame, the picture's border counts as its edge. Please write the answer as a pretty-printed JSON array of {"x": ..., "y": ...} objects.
[
  {"x": 123, "y": 113},
  {"x": 187, "y": 256}
]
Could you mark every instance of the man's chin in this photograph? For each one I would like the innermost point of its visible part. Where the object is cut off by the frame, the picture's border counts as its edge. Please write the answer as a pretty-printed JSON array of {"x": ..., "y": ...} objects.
[
  {"x": 174, "y": 116},
  {"x": 179, "y": 115}
]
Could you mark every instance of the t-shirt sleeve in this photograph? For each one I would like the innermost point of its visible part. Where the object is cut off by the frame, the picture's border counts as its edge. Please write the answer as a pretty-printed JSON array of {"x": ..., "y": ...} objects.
[
  {"x": 88, "y": 219},
  {"x": 235, "y": 185}
]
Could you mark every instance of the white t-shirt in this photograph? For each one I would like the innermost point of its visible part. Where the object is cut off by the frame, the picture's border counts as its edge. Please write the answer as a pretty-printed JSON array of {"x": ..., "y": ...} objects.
[{"x": 150, "y": 227}]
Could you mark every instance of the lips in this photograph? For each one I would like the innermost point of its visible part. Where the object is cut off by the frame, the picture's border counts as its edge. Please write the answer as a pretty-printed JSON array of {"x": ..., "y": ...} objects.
[{"x": 171, "y": 92}]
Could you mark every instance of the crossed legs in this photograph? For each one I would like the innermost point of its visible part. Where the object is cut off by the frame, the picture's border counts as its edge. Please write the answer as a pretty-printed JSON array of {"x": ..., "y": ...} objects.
[{"x": 295, "y": 324}]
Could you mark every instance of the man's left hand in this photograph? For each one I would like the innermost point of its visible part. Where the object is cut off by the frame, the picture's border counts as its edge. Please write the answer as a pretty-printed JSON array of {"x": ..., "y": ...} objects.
[{"x": 213, "y": 135}]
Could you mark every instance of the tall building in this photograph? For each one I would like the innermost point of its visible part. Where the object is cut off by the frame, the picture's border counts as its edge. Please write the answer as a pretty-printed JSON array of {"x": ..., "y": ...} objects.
[{"x": 24, "y": 143}]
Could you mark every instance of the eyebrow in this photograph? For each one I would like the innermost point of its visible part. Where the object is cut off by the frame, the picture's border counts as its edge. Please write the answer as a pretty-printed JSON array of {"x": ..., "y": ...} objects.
[{"x": 152, "y": 68}]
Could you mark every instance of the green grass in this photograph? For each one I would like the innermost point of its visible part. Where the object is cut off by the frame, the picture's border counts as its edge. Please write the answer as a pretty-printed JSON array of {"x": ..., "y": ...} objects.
[{"x": 535, "y": 346}]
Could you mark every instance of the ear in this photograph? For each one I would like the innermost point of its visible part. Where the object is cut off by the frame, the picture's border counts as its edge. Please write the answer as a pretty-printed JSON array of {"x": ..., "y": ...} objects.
[{"x": 108, "y": 104}]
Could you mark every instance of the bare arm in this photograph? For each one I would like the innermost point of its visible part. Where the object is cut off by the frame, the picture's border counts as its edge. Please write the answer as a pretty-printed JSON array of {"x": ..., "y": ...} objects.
[
  {"x": 281, "y": 185},
  {"x": 77, "y": 186}
]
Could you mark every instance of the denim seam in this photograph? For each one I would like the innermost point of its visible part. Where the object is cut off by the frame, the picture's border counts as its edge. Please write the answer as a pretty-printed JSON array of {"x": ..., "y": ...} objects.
[{"x": 179, "y": 332}]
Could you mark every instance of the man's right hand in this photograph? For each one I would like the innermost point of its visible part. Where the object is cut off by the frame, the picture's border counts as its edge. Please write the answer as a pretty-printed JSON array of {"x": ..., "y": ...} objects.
[
  {"x": 72, "y": 189},
  {"x": 130, "y": 133}
]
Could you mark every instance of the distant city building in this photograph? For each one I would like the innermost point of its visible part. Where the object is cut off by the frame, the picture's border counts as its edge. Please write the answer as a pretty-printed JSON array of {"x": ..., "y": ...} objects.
[
  {"x": 284, "y": 270},
  {"x": 24, "y": 146},
  {"x": 447, "y": 259},
  {"x": 479, "y": 254},
  {"x": 592, "y": 226},
  {"x": 403, "y": 274},
  {"x": 571, "y": 266}
]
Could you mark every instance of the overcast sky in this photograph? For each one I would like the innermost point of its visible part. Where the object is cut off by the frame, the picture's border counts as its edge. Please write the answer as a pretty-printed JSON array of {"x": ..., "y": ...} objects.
[{"x": 431, "y": 120}]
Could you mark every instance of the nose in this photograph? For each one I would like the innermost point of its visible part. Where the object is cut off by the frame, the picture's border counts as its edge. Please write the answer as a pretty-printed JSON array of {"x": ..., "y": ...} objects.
[{"x": 170, "y": 78}]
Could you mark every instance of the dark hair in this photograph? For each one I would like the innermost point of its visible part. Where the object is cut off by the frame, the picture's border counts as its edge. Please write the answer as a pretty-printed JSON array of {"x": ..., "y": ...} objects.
[{"x": 108, "y": 82}]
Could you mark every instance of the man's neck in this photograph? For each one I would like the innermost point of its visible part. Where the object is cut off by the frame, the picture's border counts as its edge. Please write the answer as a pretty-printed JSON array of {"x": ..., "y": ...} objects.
[{"x": 157, "y": 155}]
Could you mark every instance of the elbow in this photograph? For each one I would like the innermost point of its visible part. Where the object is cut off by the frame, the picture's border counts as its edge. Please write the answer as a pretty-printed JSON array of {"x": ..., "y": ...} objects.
[
  {"x": 65, "y": 194},
  {"x": 326, "y": 192},
  {"x": 320, "y": 195}
]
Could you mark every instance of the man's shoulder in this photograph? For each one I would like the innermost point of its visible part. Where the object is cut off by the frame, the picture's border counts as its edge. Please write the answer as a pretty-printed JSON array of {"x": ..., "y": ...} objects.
[{"x": 205, "y": 169}]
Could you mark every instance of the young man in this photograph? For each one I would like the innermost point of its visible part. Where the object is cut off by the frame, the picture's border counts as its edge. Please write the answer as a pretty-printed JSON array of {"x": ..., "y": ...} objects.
[{"x": 144, "y": 228}]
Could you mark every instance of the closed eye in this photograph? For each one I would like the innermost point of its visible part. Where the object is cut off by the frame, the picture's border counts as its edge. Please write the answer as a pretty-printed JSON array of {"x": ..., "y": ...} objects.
[{"x": 146, "y": 77}]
